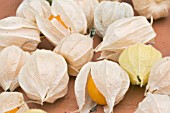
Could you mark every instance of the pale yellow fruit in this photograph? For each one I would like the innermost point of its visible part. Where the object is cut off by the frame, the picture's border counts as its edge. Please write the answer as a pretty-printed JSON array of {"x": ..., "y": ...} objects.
[{"x": 34, "y": 111}]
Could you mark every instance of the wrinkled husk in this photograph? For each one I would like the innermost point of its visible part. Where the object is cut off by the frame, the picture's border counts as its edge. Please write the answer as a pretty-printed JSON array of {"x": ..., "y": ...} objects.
[
  {"x": 108, "y": 12},
  {"x": 110, "y": 79},
  {"x": 44, "y": 77},
  {"x": 77, "y": 49},
  {"x": 12, "y": 58},
  {"x": 152, "y": 8},
  {"x": 88, "y": 7},
  {"x": 20, "y": 32},
  {"x": 154, "y": 103},
  {"x": 123, "y": 33},
  {"x": 159, "y": 79},
  {"x": 72, "y": 16},
  {"x": 35, "y": 111},
  {"x": 30, "y": 8},
  {"x": 12, "y": 100},
  {"x": 138, "y": 60}
]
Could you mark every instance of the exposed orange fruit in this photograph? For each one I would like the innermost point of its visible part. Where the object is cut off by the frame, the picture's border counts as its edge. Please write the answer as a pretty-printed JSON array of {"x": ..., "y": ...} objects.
[
  {"x": 12, "y": 111},
  {"x": 58, "y": 18},
  {"x": 94, "y": 93}
]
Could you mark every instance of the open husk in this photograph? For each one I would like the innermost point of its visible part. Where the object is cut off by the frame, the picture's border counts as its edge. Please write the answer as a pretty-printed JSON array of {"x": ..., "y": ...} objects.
[
  {"x": 154, "y": 103},
  {"x": 159, "y": 78},
  {"x": 88, "y": 7},
  {"x": 12, "y": 100},
  {"x": 123, "y": 33},
  {"x": 44, "y": 77},
  {"x": 108, "y": 12},
  {"x": 109, "y": 0},
  {"x": 30, "y": 8},
  {"x": 77, "y": 49},
  {"x": 20, "y": 32},
  {"x": 35, "y": 111},
  {"x": 152, "y": 8},
  {"x": 67, "y": 17},
  {"x": 12, "y": 59},
  {"x": 138, "y": 60},
  {"x": 110, "y": 79}
]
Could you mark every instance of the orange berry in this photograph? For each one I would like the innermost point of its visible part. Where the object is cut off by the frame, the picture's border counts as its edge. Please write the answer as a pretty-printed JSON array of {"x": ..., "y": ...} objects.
[
  {"x": 12, "y": 111},
  {"x": 58, "y": 18},
  {"x": 94, "y": 93}
]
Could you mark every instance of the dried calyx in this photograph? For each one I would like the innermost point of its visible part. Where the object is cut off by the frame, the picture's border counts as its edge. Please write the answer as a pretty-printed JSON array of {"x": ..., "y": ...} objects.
[
  {"x": 12, "y": 101},
  {"x": 159, "y": 78},
  {"x": 44, "y": 77},
  {"x": 103, "y": 82},
  {"x": 138, "y": 60},
  {"x": 123, "y": 33},
  {"x": 108, "y": 12},
  {"x": 152, "y": 8},
  {"x": 77, "y": 49},
  {"x": 12, "y": 59},
  {"x": 154, "y": 103}
]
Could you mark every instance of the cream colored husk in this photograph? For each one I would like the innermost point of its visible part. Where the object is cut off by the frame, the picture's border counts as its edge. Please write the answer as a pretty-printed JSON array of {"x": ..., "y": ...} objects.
[
  {"x": 30, "y": 8},
  {"x": 154, "y": 103},
  {"x": 35, "y": 111},
  {"x": 110, "y": 79},
  {"x": 88, "y": 7},
  {"x": 123, "y": 33},
  {"x": 108, "y": 12},
  {"x": 159, "y": 79},
  {"x": 77, "y": 49},
  {"x": 12, "y": 100},
  {"x": 12, "y": 59},
  {"x": 20, "y": 32},
  {"x": 44, "y": 77},
  {"x": 71, "y": 15},
  {"x": 109, "y": 0},
  {"x": 152, "y": 8}
]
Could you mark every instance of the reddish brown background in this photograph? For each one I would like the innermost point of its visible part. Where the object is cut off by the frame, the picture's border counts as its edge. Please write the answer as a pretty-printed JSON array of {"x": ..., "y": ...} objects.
[{"x": 68, "y": 103}]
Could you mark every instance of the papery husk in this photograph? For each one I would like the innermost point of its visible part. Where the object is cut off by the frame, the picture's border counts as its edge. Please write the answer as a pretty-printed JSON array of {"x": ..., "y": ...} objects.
[
  {"x": 108, "y": 12},
  {"x": 159, "y": 78},
  {"x": 12, "y": 59},
  {"x": 12, "y": 100},
  {"x": 110, "y": 79},
  {"x": 138, "y": 60},
  {"x": 152, "y": 8},
  {"x": 88, "y": 7},
  {"x": 109, "y": 0},
  {"x": 154, "y": 103},
  {"x": 77, "y": 49},
  {"x": 30, "y": 8},
  {"x": 19, "y": 32},
  {"x": 44, "y": 77},
  {"x": 71, "y": 15},
  {"x": 125, "y": 32},
  {"x": 35, "y": 111}
]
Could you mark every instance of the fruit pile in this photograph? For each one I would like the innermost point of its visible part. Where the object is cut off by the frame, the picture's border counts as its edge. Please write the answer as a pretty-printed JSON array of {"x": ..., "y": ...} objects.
[{"x": 127, "y": 54}]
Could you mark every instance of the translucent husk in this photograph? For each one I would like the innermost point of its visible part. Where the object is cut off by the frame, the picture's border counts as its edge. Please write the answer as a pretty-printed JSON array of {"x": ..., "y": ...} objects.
[
  {"x": 108, "y": 12},
  {"x": 70, "y": 14},
  {"x": 154, "y": 103},
  {"x": 138, "y": 60},
  {"x": 77, "y": 49},
  {"x": 12, "y": 100},
  {"x": 110, "y": 79},
  {"x": 159, "y": 78},
  {"x": 44, "y": 77},
  {"x": 20, "y": 32},
  {"x": 109, "y": 0},
  {"x": 88, "y": 7},
  {"x": 152, "y": 8},
  {"x": 30, "y": 8},
  {"x": 123, "y": 33},
  {"x": 35, "y": 111},
  {"x": 12, "y": 59}
]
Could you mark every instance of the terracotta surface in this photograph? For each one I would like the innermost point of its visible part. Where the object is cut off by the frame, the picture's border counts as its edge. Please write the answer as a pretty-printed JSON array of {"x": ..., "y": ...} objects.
[{"x": 68, "y": 103}]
